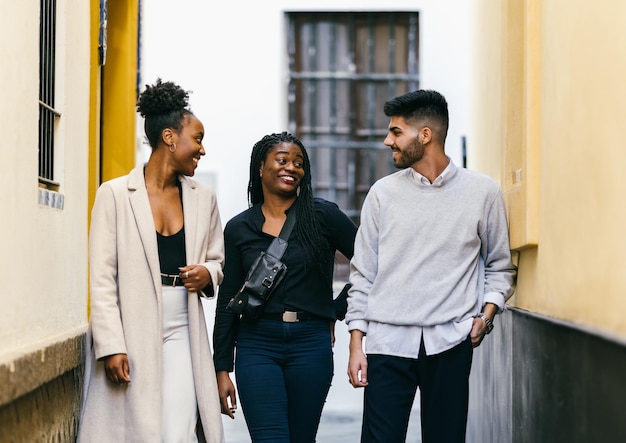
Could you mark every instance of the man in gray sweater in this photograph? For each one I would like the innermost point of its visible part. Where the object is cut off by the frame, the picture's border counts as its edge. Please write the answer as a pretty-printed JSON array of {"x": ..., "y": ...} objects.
[{"x": 431, "y": 268}]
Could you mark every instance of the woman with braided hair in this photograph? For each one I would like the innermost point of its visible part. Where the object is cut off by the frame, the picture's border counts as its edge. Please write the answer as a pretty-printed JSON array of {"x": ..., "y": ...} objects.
[
  {"x": 284, "y": 359},
  {"x": 155, "y": 247}
]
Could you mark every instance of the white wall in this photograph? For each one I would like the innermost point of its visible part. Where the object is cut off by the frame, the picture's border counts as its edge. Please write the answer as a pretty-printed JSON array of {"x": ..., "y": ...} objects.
[
  {"x": 232, "y": 56},
  {"x": 43, "y": 295}
]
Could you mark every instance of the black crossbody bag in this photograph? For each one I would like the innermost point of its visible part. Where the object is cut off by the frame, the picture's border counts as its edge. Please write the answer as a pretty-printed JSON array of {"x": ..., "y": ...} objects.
[{"x": 264, "y": 275}]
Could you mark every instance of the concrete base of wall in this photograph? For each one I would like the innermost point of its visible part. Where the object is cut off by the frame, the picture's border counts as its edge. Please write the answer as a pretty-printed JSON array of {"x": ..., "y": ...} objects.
[
  {"x": 40, "y": 393},
  {"x": 539, "y": 380},
  {"x": 48, "y": 414}
]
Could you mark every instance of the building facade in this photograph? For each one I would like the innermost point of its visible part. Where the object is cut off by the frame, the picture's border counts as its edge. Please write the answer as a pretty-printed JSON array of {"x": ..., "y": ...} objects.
[
  {"x": 545, "y": 92},
  {"x": 61, "y": 88},
  {"x": 548, "y": 96}
]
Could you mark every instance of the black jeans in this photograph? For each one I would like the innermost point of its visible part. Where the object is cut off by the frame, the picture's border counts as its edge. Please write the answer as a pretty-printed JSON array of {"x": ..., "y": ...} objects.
[{"x": 443, "y": 380}]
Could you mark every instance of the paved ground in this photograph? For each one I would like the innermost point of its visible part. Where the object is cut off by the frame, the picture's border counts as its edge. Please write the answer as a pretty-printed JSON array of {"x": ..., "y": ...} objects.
[{"x": 335, "y": 427}]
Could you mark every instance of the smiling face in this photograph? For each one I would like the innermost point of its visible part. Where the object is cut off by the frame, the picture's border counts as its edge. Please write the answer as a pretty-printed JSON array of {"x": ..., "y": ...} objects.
[
  {"x": 282, "y": 170},
  {"x": 189, "y": 147},
  {"x": 404, "y": 141}
]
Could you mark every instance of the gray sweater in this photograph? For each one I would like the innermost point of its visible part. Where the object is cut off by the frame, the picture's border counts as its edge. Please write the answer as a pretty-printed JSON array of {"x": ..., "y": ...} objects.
[{"x": 430, "y": 255}]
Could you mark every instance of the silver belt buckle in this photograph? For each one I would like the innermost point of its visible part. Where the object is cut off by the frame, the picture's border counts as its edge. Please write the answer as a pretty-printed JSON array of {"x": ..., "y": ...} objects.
[{"x": 290, "y": 317}]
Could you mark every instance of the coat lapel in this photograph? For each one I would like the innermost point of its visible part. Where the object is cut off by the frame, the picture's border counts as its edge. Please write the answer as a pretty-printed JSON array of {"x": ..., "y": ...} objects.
[
  {"x": 140, "y": 204},
  {"x": 190, "y": 213}
]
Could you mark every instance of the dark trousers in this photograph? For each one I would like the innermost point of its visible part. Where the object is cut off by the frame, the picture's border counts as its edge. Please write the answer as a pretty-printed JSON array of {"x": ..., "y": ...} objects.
[
  {"x": 443, "y": 380},
  {"x": 283, "y": 372}
]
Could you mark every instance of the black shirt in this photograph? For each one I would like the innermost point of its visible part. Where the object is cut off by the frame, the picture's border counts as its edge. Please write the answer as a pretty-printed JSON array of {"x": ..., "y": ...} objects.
[
  {"x": 171, "y": 251},
  {"x": 172, "y": 254},
  {"x": 303, "y": 287}
]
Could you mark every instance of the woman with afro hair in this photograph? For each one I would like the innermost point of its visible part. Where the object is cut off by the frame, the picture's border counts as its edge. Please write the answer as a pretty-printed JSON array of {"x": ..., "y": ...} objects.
[
  {"x": 284, "y": 359},
  {"x": 156, "y": 248}
]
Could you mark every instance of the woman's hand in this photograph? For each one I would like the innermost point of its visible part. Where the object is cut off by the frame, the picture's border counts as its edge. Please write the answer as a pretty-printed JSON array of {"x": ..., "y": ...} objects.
[
  {"x": 195, "y": 277},
  {"x": 117, "y": 368},
  {"x": 226, "y": 390}
]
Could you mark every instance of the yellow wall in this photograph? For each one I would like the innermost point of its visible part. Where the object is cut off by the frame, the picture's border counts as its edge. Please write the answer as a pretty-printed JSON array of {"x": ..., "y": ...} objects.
[
  {"x": 549, "y": 101},
  {"x": 95, "y": 100},
  {"x": 113, "y": 94},
  {"x": 119, "y": 96}
]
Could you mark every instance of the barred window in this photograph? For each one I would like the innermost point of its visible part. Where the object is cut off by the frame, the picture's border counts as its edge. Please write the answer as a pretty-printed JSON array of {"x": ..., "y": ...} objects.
[
  {"x": 48, "y": 115},
  {"x": 343, "y": 67}
]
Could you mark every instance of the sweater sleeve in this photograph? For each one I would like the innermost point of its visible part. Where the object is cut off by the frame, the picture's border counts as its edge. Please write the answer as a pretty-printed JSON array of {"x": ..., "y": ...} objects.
[
  {"x": 364, "y": 264},
  {"x": 500, "y": 273}
]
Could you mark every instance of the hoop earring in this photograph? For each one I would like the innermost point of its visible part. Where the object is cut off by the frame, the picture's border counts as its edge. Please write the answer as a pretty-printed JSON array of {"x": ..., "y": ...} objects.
[{"x": 170, "y": 147}]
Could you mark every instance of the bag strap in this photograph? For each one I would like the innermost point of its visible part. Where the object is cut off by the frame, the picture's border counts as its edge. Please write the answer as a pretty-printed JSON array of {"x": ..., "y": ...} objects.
[
  {"x": 285, "y": 232},
  {"x": 278, "y": 246}
]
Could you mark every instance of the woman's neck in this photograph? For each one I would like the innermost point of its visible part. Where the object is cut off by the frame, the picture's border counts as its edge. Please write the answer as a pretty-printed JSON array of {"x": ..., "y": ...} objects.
[
  {"x": 158, "y": 174},
  {"x": 275, "y": 206}
]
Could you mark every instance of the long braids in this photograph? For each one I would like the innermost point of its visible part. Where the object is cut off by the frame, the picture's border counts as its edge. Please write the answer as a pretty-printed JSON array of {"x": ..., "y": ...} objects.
[{"x": 307, "y": 228}]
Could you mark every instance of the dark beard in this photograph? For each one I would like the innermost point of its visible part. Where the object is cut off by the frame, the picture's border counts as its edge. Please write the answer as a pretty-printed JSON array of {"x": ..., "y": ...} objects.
[{"x": 409, "y": 156}]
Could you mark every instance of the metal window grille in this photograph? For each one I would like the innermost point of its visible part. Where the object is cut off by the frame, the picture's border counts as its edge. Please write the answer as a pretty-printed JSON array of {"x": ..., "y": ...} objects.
[
  {"x": 47, "y": 113},
  {"x": 343, "y": 66}
]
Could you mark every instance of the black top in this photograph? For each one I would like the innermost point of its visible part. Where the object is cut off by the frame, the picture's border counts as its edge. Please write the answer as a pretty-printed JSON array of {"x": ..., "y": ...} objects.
[
  {"x": 303, "y": 287},
  {"x": 172, "y": 254},
  {"x": 171, "y": 251}
]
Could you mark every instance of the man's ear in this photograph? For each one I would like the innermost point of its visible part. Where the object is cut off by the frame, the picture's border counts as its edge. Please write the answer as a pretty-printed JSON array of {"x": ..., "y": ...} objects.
[{"x": 425, "y": 135}]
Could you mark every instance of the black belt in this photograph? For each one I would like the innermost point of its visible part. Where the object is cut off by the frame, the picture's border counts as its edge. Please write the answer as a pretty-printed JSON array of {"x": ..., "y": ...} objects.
[
  {"x": 171, "y": 280},
  {"x": 289, "y": 316}
]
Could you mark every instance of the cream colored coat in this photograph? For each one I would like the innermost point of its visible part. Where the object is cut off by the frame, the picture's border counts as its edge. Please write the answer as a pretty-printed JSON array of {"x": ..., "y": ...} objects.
[{"x": 126, "y": 312}]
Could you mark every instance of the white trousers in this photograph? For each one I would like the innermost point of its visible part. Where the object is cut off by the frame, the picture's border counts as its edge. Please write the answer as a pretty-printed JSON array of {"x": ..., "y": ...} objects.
[{"x": 180, "y": 409}]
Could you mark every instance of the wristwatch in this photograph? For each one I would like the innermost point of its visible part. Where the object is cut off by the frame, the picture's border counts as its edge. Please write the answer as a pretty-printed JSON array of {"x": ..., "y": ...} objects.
[{"x": 487, "y": 321}]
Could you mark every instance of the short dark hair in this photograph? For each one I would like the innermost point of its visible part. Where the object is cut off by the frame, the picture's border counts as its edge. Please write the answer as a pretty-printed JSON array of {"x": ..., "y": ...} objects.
[
  {"x": 163, "y": 105},
  {"x": 421, "y": 104}
]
